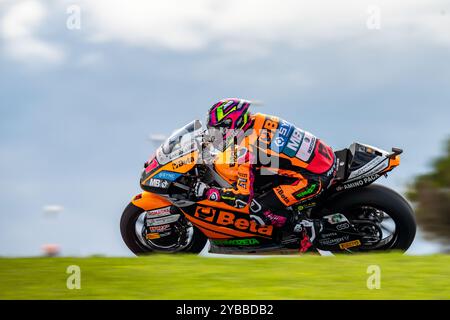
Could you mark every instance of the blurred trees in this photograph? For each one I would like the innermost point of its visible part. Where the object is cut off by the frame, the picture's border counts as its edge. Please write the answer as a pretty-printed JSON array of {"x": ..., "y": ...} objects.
[{"x": 431, "y": 193}]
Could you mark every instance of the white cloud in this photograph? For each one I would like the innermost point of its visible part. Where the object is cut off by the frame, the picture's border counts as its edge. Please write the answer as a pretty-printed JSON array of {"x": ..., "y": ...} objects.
[
  {"x": 252, "y": 27},
  {"x": 167, "y": 24},
  {"x": 242, "y": 25},
  {"x": 17, "y": 29}
]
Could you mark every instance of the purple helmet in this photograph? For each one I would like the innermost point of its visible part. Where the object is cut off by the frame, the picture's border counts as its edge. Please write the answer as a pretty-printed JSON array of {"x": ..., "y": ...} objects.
[{"x": 231, "y": 114}]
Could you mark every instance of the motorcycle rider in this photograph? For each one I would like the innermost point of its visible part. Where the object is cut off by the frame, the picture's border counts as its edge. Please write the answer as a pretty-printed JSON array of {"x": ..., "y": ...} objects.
[{"x": 299, "y": 169}]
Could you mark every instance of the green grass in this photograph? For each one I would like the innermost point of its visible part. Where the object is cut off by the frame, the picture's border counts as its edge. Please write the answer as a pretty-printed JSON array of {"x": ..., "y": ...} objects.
[{"x": 193, "y": 277}]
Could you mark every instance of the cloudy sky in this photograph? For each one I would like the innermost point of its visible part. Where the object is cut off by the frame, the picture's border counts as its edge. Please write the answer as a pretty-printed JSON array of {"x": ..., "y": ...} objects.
[{"x": 83, "y": 83}]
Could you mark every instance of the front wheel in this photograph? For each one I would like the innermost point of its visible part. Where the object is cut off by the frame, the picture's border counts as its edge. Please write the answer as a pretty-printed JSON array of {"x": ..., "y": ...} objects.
[
  {"x": 381, "y": 215},
  {"x": 182, "y": 237}
]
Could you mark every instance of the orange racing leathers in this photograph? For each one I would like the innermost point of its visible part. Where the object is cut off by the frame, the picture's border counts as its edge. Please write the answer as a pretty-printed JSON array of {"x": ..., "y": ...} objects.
[{"x": 298, "y": 166}]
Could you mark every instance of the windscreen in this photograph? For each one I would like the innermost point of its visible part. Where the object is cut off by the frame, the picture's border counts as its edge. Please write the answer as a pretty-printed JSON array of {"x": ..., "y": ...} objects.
[{"x": 179, "y": 143}]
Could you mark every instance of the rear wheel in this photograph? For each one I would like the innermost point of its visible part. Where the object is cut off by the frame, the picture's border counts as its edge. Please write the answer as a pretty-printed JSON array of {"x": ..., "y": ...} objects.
[
  {"x": 184, "y": 237},
  {"x": 382, "y": 215}
]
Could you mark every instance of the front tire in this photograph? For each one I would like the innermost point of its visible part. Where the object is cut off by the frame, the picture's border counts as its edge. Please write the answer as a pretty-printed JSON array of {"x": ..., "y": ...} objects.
[
  {"x": 138, "y": 246},
  {"x": 383, "y": 199}
]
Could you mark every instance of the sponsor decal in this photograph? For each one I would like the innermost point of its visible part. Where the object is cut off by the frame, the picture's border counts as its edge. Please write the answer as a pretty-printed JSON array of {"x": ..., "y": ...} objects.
[
  {"x": 168, "y": 175},
  {"x": 307, "y": 147},
  {"x": 342, "y": 226},
  {"x": 333, "y": 241},
  {"x": 294, "y": 143},
  {"x": 280, "y": 192},
  {"x": 309, "y": 190},
  {"x": 158, "y": 183},
  {"x": 242, "y": 183},
  {"x": 163, "y": 220},
  {"x": 271, "y": 123},
  {"x": 281, "y": 136},
  {"x": 164, "y": 184},
  {"x": 267, "y": 133},
  {"x": 242, "y": 180},
  {"x": 181, "y": 162},
  {"x": 329, "y": 235},
  {"x": 237, "y": 242},
  {"x": 206, "y": 213},
  {"x": 158, "y": 213},
  {"x": 350, "y": 244},
  {"x": 358, "y": 183},
  {"x": 231, "y": 220},
  {"x": 150, "y": 236},
  {"x": 336, "y": 218},
  {"x": 159, "y": 229}
]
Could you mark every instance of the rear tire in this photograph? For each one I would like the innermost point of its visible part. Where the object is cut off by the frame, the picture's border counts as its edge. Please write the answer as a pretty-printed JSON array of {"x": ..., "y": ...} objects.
[
  {"x": 385, "y": 199},
  {"x": 129, "y": 236}
]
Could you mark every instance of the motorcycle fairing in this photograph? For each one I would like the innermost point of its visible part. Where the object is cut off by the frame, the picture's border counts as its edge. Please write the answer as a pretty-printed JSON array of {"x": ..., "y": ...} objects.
[
  {"x": 361, "y": 165},
  {"x": 149, "y": 201},
  {"x": 175, "y": 157},
  {"x": 204, "y": 216},
  {"x": 221, "y": 221}
]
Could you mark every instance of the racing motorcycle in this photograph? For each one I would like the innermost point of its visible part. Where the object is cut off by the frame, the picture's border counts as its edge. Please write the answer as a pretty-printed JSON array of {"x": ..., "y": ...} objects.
[{"x": 357, "y": 215}]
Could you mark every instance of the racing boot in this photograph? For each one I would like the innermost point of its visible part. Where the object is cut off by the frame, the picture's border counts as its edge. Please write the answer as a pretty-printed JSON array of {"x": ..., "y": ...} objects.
[
  {"x": 295, "y": 224},
  {"x": 308, "y": 229},
  {"x": 337, "y": 234},
  {"x": 330, "y": 233}
]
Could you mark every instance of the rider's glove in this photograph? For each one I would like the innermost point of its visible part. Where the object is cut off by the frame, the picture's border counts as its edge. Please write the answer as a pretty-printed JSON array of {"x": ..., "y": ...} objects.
[
  {"x": 202, "y": 190},
  {"x": 213, "y": 194}
]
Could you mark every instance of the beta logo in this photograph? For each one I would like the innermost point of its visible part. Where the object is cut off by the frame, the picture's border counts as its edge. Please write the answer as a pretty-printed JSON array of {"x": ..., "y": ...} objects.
[
  {"x": 232, "y": 221},
  {"x": 180, "y": 163},
  {"x": 205, "y": 213},
  {"x": 282, "y": 196}
]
